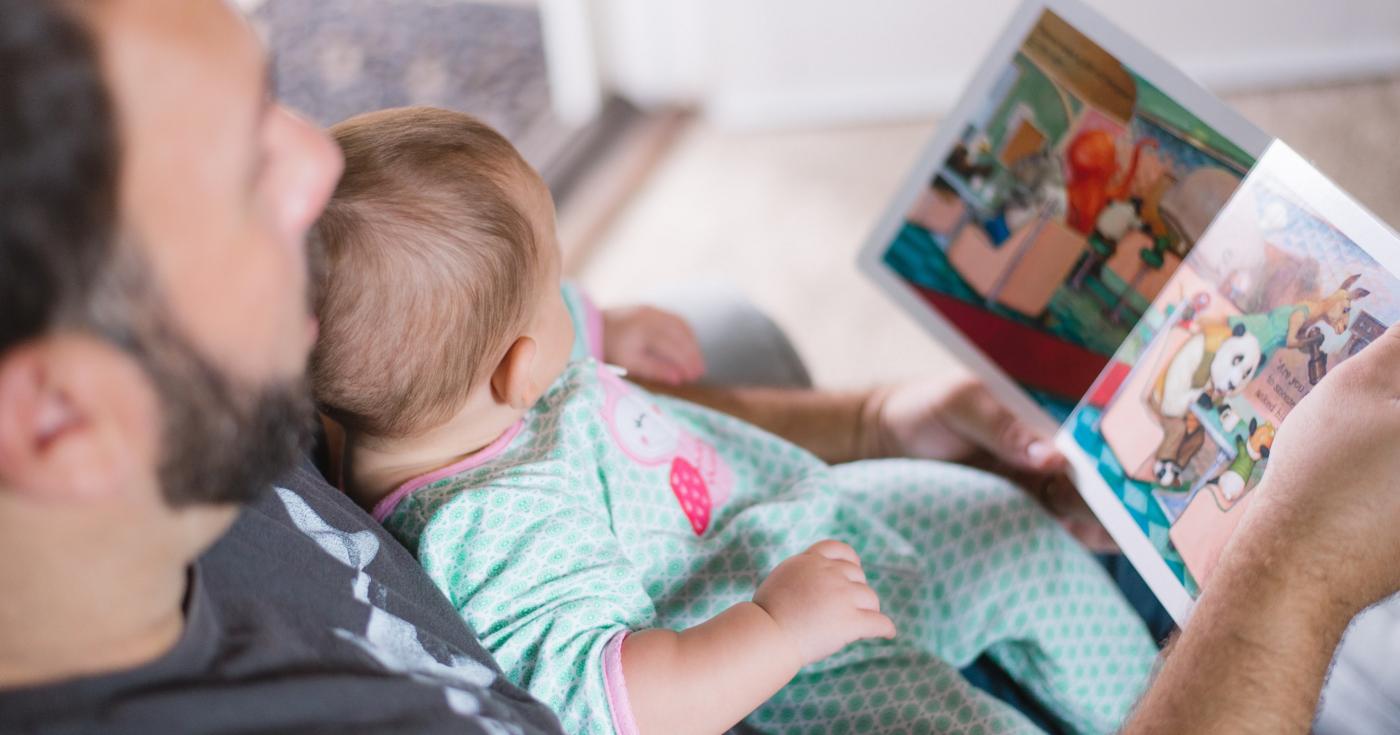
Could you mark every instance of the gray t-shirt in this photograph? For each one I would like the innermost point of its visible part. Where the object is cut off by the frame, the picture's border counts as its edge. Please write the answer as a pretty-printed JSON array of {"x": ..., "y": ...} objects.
[{"x": 306, "y": 617}]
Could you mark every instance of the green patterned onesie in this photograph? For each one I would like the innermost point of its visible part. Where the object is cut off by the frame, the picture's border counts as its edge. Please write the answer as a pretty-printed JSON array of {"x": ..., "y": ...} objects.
[{"x": 608, "y": 510}]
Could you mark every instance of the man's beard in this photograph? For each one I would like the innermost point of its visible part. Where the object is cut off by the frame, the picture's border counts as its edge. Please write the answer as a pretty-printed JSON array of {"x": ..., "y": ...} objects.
[
  {"x": 223, "y": 440},
  {"x": 224, "y": 443}
]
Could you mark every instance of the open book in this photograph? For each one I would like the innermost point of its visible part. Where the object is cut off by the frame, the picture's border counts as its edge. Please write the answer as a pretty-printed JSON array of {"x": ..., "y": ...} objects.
[{"x": 1138, "y": 271}]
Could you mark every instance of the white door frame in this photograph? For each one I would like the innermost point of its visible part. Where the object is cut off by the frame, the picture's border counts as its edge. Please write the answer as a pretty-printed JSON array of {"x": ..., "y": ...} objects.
[{"x": 571, "y": 57}]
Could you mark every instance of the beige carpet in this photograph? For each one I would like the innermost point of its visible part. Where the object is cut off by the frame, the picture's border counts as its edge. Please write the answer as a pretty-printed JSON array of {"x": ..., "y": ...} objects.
[{"x": 781, "y": 215}]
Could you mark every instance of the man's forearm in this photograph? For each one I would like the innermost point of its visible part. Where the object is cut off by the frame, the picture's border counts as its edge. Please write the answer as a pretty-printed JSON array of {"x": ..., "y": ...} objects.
[
  {"x": 1254, "y": 655},
  {"x": 830, "y": 424}
]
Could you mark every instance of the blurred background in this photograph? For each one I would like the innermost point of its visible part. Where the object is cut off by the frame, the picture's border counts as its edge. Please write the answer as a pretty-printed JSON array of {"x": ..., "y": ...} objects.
[{"x": 756, "y": 142}]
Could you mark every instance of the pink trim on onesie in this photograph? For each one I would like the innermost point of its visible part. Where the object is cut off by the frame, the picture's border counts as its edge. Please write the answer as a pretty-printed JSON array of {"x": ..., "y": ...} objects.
[
  {"x": 384, "y": 507},
  {"x": 616, "y": 685},
  {"x": 593, "y": 323}
]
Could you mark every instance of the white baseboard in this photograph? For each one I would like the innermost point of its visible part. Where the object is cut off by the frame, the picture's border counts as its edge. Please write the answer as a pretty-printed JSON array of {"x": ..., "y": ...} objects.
[
  {"x": 1295, "y": 67},
  {"x": 911, "y": 99}
]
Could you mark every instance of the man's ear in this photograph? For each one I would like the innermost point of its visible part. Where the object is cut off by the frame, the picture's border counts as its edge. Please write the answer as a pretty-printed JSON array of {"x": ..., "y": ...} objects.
[
  {"x": 77, "y": 420},
  {"x": 512, "y": 383}
]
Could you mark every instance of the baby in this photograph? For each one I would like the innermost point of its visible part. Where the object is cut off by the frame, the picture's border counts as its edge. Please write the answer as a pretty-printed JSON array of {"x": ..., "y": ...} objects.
[{"x": 639, "y": 563}]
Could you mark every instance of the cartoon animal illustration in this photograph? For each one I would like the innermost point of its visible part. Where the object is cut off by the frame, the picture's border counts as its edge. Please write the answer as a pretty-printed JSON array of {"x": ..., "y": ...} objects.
[
  {"x": 700, "y": 479},
  {"x": 1117, "y": 219},
  {"x": 1297, "y": 326},
  {"x": 1216, "y": 361},
  {"x": 1038, "y": 186},
  {"x": 962, "y": 162},
  {"x": 1093, "y": 166},
  {"x": 1230, "y": 485},
  {"x": 1333, "y": 309},
  {"x": 1152, "y": 215}
]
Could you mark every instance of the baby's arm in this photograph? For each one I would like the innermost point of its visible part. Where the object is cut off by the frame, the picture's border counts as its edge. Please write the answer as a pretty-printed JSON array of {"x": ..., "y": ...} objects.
[{"x": 707, "y": 678}]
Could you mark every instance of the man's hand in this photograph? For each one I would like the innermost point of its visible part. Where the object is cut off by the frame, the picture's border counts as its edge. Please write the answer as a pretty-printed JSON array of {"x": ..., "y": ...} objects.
[
  {"x": 652, "y": 344},
  {"x": 821, "y": 600},
  {"x": 1316, "y": 546},
  {"x": 1332, "y": 484},
  {"x": 961, "y": 421},
  {"x": 951, "y": 421}
]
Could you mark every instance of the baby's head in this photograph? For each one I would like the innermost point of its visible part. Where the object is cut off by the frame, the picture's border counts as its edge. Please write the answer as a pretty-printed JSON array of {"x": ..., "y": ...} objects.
[{"x": 439, "y": 297}]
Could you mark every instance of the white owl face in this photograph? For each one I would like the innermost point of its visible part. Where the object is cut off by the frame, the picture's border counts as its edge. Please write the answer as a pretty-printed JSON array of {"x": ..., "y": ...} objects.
[{"x": 643, "y": 432}]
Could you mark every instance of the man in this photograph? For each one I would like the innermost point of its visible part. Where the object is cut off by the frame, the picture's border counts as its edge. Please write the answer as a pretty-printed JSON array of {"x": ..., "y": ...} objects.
[
  {"x": 155, "y": 331},
  {"x": 153, "y": 204}
]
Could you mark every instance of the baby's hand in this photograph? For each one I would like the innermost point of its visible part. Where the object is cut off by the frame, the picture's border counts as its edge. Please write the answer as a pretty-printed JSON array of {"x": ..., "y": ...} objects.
[
  {"x": 652, "y": 344},
  {"x": 820, "y": 598}
]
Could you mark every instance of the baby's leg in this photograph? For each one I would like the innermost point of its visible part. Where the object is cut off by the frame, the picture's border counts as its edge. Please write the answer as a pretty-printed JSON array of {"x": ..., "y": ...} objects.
[
  {"x": 906, "y": 692},
  {"x": 1004, "y": 578}
]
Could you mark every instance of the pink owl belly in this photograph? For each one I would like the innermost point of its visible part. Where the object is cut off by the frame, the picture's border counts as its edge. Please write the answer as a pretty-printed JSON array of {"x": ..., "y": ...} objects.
[{"x": 699, "y": 478}]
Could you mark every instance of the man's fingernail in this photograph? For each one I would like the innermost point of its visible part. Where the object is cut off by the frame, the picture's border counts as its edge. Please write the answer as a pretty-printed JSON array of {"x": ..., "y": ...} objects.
[{"x": 1039, "y": 451}]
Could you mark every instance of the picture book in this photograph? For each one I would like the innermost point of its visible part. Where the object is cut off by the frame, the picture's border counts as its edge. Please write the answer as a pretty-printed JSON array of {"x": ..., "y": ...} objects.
[{"x": 1137, "y": 270}]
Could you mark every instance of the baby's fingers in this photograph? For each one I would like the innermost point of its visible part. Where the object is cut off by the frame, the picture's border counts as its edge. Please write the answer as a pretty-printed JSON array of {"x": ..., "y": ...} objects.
[
  {"x": 873, "y": 624},
  {"x": 833, "y": 549},
  {"x": 864, "y": 597}
]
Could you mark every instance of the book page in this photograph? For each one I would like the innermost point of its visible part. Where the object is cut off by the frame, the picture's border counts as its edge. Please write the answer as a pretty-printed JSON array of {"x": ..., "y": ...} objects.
[
  {"x": 1054, "y": 204},
  {"x": 1292, "y": 279}
]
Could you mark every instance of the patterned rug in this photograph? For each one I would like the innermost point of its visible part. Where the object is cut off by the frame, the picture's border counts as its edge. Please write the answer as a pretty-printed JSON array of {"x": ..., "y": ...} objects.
[{"x": 336, "y": 58}]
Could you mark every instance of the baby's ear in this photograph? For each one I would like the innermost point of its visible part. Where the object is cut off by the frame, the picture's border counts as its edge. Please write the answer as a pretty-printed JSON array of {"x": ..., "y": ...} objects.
[{"x": 511, "y": 383}]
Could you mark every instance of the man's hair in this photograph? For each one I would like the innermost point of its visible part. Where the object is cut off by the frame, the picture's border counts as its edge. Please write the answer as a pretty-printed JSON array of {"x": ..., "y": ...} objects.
[
  {"x": 429, "y": 266},
  {"x": 65, "y": 264},
  {"x": 58, "y": 169}
]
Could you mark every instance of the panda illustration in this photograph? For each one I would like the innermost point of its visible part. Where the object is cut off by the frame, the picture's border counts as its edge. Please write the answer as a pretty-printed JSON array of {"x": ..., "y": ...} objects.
[{"x": 1215, "y": 362}]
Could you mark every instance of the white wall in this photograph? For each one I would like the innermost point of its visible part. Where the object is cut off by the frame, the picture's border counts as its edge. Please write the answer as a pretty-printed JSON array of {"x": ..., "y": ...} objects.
[{"x": 784, "y": 62}]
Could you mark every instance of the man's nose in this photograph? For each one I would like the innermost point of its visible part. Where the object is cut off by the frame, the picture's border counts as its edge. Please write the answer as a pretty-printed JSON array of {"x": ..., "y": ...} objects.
[{"x": 315, "y": 170}]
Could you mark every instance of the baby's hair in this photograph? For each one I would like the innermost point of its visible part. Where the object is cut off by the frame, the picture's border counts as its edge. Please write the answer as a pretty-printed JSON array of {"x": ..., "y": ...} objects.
[{"x": 428, "y": 265}]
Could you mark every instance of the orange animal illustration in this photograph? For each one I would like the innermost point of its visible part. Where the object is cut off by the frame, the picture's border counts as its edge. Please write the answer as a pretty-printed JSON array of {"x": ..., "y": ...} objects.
[
  {"x": 1334, "y": 309},
  {"x": 1093, "y": 167},
  {"x": 1234, "y": 481}
]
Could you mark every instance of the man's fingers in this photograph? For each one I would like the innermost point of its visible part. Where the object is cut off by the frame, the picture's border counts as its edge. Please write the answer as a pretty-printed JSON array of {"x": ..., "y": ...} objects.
[
  {"x": 675, "y": 368},
  {"x": 1042, "y": 455},
  {"x": 1378, "y": 360},
  {"x": 1059, "y": 496},
  {"x": 1022, "y": 447},
  {"x": 679, "y": 341},
  {"x": 1391, "y": 338},
  {"x": 673, "y": 346},
  {"x": 995, "y": 428},
  {"x": 1382, "y": 352},
  {"x": 651, "y": 367},
  {"x": 1092, "y": 535}
]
